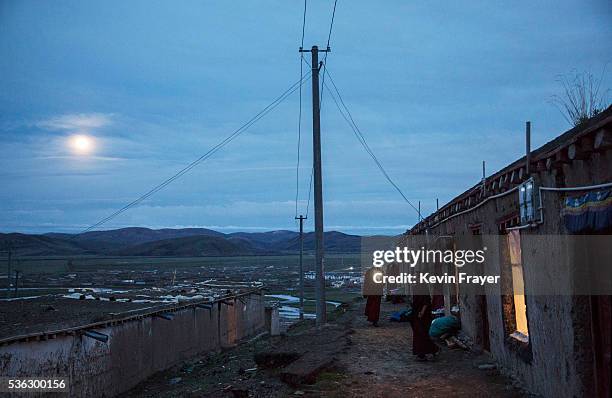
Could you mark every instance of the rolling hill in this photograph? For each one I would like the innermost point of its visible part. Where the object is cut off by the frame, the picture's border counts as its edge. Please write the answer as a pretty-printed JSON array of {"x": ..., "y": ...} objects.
[
  {"x": 134, "y": 235},
  {"x": 192, "y": 246},
  {"x": 266, "y": 240},
  {"x": 41, "y": 245},
  {"x": 174, "y": 242},
  {"x": 334, "y": 241}
]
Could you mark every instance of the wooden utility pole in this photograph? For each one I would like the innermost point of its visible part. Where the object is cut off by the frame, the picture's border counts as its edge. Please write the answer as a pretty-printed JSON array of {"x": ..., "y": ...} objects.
[
  {"x": 484, "y": 179},
  {"x": 318, "y": 187},
  {"x": 8, "y": 271},
  {"x": 301, "y": 218},
  {"x": 527, "y": 148},
  {"x": 17, "y": 273}
]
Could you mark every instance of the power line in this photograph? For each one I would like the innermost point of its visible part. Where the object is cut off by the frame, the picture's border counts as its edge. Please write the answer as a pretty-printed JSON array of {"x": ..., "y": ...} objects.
[
  {"x": 361, "y": 138},
  {"x": 309, "y": 190},
  {"x": 208, "y": 154},
  {"x": 299, "y": 140},
  {"x": 331, "y": 26},
  {"x": 303, "y": 24}
]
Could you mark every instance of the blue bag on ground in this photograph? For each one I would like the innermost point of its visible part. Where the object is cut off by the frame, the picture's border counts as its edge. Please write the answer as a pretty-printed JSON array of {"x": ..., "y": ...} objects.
[
  {"x": 444, "y": 325},
  {"x": 401, "y": 316}
]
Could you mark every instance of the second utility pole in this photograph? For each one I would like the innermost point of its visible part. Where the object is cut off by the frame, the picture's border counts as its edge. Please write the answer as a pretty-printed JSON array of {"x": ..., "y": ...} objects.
[
  {"x": 301, "y": 218},
  {"x": 318, "y": 187}
]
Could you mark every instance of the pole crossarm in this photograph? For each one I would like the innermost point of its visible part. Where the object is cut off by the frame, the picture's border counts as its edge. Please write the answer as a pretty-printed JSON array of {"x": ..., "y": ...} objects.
[{"x": 327, "y": 50}]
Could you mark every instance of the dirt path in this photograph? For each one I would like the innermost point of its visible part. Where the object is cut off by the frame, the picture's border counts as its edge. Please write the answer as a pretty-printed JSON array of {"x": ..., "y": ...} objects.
[
  {"x": 365, "y": 362},
  {"x": 380, "y": 364}
]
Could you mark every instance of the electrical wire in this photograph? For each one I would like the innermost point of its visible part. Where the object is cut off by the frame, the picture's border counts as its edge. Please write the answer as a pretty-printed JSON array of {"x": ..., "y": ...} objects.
[
  {"x": 208, "y": 154},
  {"x": 309, "y": 191},
  {"x": 361, "y": 138},
  {"x": 331, "y": 26},
  {"x": 299, "y": 140},
  {"x": 324, "y": 63}
]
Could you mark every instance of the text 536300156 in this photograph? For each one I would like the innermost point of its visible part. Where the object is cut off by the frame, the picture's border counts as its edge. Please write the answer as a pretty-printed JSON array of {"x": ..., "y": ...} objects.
[{"x": 42, "y": 384}]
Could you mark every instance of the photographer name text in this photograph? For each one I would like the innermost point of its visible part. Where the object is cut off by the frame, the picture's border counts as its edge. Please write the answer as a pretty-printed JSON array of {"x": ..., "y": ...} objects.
[{"x": 427, "y": 278}]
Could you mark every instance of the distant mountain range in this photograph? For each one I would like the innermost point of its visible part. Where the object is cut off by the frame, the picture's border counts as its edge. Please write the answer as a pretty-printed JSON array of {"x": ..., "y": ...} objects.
[{"x": 174, "y": 242}]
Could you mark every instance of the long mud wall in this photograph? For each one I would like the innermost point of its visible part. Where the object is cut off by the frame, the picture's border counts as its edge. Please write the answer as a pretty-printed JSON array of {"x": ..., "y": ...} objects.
[{"x": 136, "y": 349}]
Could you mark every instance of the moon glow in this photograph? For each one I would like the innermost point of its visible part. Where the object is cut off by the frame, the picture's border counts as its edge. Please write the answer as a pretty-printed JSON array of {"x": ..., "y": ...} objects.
[{"x": 81, "y": 144}]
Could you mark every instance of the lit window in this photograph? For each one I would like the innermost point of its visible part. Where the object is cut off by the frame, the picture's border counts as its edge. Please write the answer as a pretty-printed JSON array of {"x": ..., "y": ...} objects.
[{"x": 518, "y": 287}]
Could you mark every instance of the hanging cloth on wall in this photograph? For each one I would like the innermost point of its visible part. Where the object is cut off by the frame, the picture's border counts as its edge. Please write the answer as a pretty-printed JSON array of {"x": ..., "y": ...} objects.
[{"x": 589, "y": 212}]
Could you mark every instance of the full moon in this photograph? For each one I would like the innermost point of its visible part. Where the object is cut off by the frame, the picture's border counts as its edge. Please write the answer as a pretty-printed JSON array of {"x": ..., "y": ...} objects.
[{"x": 81, "y": 144}]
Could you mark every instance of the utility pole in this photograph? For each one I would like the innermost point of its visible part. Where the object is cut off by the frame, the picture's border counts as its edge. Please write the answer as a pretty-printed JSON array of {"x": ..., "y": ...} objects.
[
  {"x": 484, "y": 179},
  {"x": 527, "y": 148},
  {"x": 8, "y": 272},
  {"x": 17, "y": 273},
  {"x": 318, "y": 187},
  {"x": 301, "y": 218}
]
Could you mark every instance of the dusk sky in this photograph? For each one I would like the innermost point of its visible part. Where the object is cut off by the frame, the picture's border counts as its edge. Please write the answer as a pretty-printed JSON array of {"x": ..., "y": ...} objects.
[{"x": 436, "y": 87}]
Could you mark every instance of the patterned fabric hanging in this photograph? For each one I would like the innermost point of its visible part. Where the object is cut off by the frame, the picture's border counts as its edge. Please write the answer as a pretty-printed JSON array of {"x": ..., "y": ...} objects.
[{"x": 589, "y": 212}]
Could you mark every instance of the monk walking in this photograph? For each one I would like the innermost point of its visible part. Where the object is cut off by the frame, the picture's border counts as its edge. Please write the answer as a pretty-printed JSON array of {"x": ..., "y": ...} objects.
[
  {"x": 421, "y": 307},
  {"x": 373, "y": 292}
]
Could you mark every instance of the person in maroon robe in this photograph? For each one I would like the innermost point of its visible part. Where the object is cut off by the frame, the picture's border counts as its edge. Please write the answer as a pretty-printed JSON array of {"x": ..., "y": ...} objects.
[
  {"x": 373, "y": 292},
  {"x": 437, "y": 301},
  {"x": 421, "y": 343}
]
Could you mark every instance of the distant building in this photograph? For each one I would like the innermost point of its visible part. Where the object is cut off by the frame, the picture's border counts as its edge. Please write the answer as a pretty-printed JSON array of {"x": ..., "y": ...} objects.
[{"x": 548, "y": 234}]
